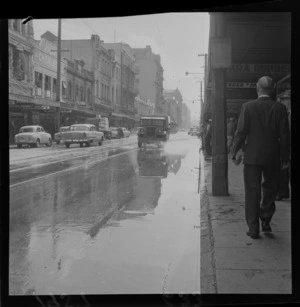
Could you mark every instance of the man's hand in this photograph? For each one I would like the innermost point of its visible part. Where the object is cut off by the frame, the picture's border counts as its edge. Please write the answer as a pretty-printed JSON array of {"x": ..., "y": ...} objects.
[
  {"x": 285, "y": 165},
  {"x": 235, "y": 161}
]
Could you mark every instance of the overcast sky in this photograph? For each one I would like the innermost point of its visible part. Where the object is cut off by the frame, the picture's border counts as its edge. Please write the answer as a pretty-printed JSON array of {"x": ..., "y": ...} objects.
[{"x": 177, "y": 37}]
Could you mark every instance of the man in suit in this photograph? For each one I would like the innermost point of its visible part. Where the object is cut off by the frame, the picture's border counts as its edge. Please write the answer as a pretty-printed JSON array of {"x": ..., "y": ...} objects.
[{"x": 264, "y": 131}]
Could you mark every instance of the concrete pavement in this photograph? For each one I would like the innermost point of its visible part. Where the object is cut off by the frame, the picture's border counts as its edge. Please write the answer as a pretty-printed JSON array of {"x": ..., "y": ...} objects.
[{"x": 231, "y": 262}]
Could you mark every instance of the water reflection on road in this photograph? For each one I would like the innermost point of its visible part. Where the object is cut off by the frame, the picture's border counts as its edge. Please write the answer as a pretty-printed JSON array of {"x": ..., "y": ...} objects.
[{"x": 61, "y": 229}]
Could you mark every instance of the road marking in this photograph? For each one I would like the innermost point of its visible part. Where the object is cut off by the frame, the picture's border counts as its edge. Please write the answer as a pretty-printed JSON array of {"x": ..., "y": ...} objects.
[{"x": 71, "y": 169}]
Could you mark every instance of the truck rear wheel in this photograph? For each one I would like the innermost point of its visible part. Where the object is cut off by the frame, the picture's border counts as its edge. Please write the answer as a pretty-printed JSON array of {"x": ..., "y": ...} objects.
[{"x": 67, "y": 145}]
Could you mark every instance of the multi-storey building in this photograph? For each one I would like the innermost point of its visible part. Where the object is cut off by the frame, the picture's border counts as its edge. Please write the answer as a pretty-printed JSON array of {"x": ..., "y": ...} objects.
[
  {"x": 79, "y": 102},
  {"x": 149, "y": 78},
  {"x": 97, "y": 60},
  {"x": 20, "y": 75},
  {"x": 124, "y": 72},
  {"x": 144, "y": 107},
  {"x": 173, "y": 100},
  {"x": 185, "y": 117}
]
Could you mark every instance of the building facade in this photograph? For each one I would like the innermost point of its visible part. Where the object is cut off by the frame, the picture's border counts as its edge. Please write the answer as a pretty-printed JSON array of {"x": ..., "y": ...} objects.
[
  {"x": 124, "y": 84},
  {"x": 173, "y": 105},
  {"x": 143, "y": 107},
  {"x": 149, "y": 77},
  {"x": 20, "y": 65}
]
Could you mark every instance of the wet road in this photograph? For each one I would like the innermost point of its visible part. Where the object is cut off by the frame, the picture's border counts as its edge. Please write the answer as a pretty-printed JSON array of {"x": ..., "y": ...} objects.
[{"x": 122, "y": 220}]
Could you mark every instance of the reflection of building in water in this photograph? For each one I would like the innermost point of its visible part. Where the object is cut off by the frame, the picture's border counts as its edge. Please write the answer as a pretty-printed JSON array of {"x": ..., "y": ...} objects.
[{"x": 174, "y": 163}]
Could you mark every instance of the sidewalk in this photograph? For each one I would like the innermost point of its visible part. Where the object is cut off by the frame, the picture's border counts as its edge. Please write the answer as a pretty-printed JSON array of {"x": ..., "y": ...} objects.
[{"x": 231, "y": 262}]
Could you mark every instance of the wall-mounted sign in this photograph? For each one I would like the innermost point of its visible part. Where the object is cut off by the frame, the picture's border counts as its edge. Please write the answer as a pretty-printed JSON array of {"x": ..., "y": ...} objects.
[
  {"x": 236, "y": 85},
  {"x": 220, "y": 52},
  {"x": 241, "y": 85},
  {"x": 260, "y": 68}
]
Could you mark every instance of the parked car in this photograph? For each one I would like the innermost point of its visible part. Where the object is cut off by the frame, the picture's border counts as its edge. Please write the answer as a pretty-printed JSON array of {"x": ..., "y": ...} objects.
[
  {"x": 114, "y": 132},
  {"x": 194, "y": 131},
  {"x": 34, "y": 136},
  {"x": 57, "y": 136},
  {"x": 82, "y": 134},
  {"x": 126, "y": 132}
]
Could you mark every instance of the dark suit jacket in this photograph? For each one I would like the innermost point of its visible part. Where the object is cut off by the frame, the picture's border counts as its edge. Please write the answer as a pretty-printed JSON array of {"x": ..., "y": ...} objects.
[{"x": 263, "y": 130}]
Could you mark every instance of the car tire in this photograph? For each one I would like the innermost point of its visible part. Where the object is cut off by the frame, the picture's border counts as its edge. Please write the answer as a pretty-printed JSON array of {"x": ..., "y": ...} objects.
[
  {"x": 49, "y": 144},
  {"x": 81, "y": 144},
  {"x": 37, "y": 143},
  {"x": 67, "y": 145},
  {"x": 100, "y": 142},
  {"x": 57, "y": 142},
  {"x": 19, "y": 145},
  {"x": 88, "y": 144}
]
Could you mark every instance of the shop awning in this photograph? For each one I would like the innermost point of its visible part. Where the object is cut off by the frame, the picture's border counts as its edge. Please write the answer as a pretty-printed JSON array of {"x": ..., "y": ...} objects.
[{"x": 120, "y": 115}]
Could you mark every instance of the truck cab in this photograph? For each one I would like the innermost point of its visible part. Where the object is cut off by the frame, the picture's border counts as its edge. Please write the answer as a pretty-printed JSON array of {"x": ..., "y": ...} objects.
[{"x": 153, "y": 129}]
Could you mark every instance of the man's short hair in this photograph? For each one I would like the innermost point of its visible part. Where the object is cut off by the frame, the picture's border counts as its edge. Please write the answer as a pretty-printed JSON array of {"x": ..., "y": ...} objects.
[{"x": 265, "y": 84}]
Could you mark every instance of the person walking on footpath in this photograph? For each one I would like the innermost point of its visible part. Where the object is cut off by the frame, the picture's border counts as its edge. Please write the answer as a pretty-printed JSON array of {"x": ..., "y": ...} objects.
[
  {"x": 208, "y": 136},
  {"x": 263, "y": 127}
]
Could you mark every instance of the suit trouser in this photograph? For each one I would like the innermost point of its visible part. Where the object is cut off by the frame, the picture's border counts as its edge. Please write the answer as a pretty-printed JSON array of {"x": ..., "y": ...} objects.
[{"x": 260, "y": 195}]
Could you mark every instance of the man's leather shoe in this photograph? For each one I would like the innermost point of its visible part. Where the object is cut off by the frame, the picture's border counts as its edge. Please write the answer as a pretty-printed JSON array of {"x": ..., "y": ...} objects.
[
  {"x": 253, "y": 235},
  {"x": 265, "y": 226}
]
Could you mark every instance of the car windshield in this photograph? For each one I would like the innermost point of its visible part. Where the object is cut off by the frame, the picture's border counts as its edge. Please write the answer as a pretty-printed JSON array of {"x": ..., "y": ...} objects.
[
  {"x": 27, "y": 129},
  {"x": 79, "y": 128},
  {"x": 152, "y": 122},
  {"x": 63, "y": 129}
]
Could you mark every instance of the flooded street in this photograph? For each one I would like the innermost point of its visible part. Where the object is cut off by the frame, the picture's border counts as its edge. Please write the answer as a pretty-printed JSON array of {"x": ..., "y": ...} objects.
[{"x": 120, "y": 220}]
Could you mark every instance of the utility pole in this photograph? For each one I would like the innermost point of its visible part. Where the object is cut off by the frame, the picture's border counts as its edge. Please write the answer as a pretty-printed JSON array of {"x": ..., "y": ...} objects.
[
  {"x": 58, "y": 72},
  {"x": 205, "y": 83}
]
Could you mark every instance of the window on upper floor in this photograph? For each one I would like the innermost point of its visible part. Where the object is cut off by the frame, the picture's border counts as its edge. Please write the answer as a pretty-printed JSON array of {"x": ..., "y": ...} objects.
[
  {"x": 14, "y": 24},
  {"x": 70, "y": 90},
  {"x": 23, "y": 27},
  {"x": 38, "y": 79},
  {"x": 88, "y": 95},
  {"x": 54, "y": 86},
  {"x": 47, "y": 85},
  {"x": 77, "y": 92},
  {"x": 64, "y": 88},
  {"x": 81, "y": 94}
]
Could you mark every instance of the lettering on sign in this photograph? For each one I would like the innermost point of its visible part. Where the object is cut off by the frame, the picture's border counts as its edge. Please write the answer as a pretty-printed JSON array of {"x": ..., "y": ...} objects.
[
  {"x": 260, "y": 68},
  {"x": 241, "y": 85}
]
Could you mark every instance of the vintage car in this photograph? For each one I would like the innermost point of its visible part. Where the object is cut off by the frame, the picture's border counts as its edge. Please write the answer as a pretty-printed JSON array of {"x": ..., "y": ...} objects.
[
  {"x": 114, "y": 132},
  {"x": 82, "y": 134},
  {"x": 34, "y": 136},
  {"x": 57, "y": 136},
  {"x": 154, "y": 129},
  {"x": 126, "y": 132},
  {"x": 194, "y": 131}
]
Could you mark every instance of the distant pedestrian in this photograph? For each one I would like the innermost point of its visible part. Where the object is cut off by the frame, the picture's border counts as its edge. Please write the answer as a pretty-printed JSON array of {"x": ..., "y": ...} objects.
[
  {"x": 264, "y": 124},
  {"x": 208, "y": 138},
  {"x": 231, "y": 127},
  {"x": 284, "y": 181},
  {"x": 201, "y": 134}
]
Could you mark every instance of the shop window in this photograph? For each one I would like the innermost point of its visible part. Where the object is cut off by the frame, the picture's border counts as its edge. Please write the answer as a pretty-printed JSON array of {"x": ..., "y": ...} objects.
[{"x": 70, "y": 89}]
